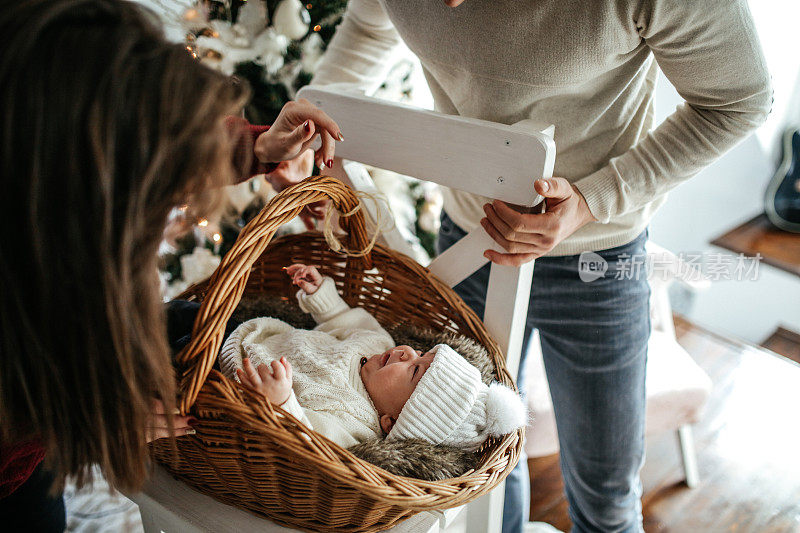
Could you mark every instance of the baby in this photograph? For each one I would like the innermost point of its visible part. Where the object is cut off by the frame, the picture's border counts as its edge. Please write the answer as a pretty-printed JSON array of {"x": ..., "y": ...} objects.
[{"x": 348, "y": 381}]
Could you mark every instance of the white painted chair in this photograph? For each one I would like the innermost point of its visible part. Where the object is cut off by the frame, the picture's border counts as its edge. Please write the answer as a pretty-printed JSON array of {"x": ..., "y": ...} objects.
[
  {"x": 677, "y": 388},
  {"x": 492, "y": 160}
]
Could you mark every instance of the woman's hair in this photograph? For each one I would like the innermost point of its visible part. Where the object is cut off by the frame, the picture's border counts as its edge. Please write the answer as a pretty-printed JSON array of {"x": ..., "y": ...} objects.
[{"x": 106, "y": 127}]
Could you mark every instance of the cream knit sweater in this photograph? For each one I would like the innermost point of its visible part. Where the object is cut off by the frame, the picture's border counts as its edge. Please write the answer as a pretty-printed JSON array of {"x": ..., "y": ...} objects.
[
  {"x": 328, "y": 394},
  {"x": 589, "y": 67}
]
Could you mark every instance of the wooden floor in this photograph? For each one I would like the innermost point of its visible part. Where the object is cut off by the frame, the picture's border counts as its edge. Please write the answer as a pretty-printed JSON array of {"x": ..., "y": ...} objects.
[
  {"x": 748, "y": 447},
  {"x": 785, "y": 342}
]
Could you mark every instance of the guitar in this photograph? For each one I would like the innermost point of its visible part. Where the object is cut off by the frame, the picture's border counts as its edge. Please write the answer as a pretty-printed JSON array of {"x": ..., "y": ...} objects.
[{"x": 783, "y": 192}]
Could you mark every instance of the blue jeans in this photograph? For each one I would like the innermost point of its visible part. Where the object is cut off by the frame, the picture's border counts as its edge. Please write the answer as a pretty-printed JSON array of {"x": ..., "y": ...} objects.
[{"x": 594, "y": 344}]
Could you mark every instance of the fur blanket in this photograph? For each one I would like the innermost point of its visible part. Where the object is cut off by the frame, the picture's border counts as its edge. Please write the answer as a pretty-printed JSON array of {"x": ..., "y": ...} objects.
[{"x": 413, "y": 457}]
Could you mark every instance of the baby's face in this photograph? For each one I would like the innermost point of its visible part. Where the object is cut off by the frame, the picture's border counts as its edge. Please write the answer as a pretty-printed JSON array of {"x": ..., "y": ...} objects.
[{"x": 390, "y": 377}]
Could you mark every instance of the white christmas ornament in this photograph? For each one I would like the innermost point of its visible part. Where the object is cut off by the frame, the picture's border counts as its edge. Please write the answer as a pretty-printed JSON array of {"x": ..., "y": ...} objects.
[
  {"x": 198, "y": 265},
  {"x": 253, "y": 17},
  {"x": 241, "y": 37},
  {"x": 269, "y": 49},
  {"x": 291, "y": 19},
  {"x": 312, "y": 52},
  {"x": 235, "y": 35},
  {"x": 228, "y": 56},
  {"x": 240, "y": 196}
]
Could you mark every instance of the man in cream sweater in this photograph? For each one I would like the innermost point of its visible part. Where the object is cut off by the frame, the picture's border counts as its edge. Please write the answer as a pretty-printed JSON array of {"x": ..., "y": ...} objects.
[{"x": 589, "y": 68}]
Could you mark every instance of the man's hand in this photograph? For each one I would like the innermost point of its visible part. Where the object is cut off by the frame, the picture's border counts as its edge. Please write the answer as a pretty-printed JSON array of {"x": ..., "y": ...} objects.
[
  {"x": 294, "y": 171},
  {"x": 273, "y": 381},
  {"x": 293, "y": 131},
  {"x": 306, "y": 277},
  {"x": 528, "y": 236}
]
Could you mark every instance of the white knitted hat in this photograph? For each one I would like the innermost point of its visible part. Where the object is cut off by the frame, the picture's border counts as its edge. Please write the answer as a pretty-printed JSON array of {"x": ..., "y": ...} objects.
[{"x": 451, "y": 405}]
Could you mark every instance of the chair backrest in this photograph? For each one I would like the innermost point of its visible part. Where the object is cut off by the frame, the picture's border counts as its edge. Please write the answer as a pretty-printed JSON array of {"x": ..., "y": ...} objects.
[{"x": 493, "y": 160}]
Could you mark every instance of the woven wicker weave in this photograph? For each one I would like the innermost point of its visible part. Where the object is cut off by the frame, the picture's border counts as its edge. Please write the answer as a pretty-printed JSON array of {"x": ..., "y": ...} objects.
[{"x": 253, "y": 455}]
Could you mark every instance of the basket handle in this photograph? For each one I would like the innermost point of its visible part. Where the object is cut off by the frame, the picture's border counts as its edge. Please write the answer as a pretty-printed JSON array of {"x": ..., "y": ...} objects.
[{"x": 229, "y": 279}]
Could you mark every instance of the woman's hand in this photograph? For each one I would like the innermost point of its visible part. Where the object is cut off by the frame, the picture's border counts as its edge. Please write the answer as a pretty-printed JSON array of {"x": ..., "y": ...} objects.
[
  {"x": 306, "y": 277},
  {"x": 293, "y": 171},
  {"x": 273, "y": 381},
  {"x": 159, "y": 428},
  {"x": 528, "y": 236},
  {"x": 295, "y": 128}
]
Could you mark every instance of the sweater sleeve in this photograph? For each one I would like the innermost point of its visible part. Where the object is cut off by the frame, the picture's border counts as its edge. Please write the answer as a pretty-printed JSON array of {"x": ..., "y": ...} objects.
[
  {"x": 710, "y": 52},
  {"x": 333, "y": 315},
  {"x": 323, "y": 423},
  {"x": 359, "y": 53},
  {"x": 293, "y": 407},
  {"x": 324, "y": 304},
  {"x": 244, "y": 160}
]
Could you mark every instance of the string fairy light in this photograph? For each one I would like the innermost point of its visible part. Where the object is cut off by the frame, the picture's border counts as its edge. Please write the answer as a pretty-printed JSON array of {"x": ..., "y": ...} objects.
[{"x": 191, "y": 14}]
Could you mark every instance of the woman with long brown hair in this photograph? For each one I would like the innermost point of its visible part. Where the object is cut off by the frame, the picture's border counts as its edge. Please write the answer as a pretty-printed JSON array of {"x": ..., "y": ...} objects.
[{"x": 106, "y": 128}]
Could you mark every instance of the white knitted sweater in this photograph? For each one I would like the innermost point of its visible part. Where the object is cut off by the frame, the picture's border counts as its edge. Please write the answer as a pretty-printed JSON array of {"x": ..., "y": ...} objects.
[{"x": 328, "y": 394}]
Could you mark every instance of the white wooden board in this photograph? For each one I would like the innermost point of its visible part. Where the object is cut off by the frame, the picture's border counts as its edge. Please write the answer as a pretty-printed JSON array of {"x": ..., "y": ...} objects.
[{"x": 486, "y": 158}]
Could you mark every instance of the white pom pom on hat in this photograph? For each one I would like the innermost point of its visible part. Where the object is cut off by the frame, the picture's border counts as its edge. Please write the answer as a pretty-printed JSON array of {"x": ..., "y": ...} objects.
[
  {"x": 451, "y": 405},
  {"x": 505, "y": 411}
]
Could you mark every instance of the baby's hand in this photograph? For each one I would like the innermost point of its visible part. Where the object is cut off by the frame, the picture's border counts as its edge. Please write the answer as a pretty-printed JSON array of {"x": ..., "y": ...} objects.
[
  {"x": 275, "y": 384},
  {"x": 306, "y": 277}
]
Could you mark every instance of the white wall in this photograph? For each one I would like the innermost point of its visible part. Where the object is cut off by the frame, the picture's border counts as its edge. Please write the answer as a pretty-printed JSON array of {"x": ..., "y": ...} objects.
[
  {"x": 732, "y": 191},
  {"x": 776, "y": 21}
]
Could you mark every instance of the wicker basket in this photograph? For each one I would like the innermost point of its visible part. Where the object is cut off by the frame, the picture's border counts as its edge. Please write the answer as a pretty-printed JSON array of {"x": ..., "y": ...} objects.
[{"x": 253, "y": 455}]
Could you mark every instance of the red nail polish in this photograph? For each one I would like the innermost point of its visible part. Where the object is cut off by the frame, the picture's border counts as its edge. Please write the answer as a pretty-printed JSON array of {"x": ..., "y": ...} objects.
[
  {"x": 329, "y": 163},
  {"x": 307, "y": 126}
]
